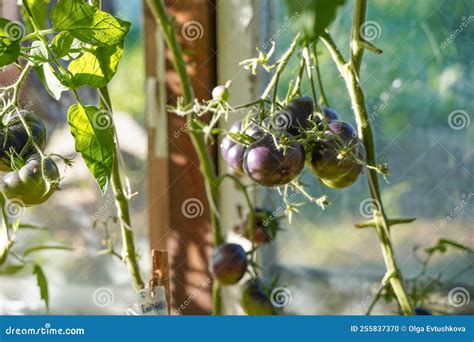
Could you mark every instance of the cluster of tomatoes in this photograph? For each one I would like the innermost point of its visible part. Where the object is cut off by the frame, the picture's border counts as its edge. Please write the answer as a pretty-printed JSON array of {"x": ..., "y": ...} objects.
[
  {"x": 29, "y": 178},
  {"x": 276, "y": 154},
  {"x": 334, "y": 155}
]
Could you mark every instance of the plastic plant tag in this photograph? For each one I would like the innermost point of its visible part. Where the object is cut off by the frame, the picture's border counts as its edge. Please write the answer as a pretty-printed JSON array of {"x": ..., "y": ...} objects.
[{"x": 151, "y": 302}]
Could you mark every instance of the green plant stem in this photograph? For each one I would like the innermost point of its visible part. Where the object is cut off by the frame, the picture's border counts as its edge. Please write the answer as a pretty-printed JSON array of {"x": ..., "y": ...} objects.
[
  {"x": 349, "y": 71},
  {"x": 129, "y": 254},
  {"x": 205, "y": 161},
  {"x": 309, "y": 72},
  {"x": 34, "y": 34},
  {"x": 323, "y": 101},
  {"x": 281, "y": 66},
  {"x": 356, "y": 46}
]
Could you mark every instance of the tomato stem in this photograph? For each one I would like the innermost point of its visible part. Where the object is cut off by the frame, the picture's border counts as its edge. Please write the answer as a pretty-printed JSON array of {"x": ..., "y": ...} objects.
[
  {"x": 129, "y": 254},
  {"x": 208, "y": 171},
  {"x": 350, "y": 74}
]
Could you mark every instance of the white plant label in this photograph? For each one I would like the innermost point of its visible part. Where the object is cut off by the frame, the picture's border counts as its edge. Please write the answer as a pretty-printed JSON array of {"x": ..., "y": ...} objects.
[{"x": 150, "y": 303}]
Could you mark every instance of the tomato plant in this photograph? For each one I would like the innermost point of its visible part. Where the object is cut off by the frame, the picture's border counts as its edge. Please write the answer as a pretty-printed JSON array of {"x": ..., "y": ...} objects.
[
  {"x": 270, "y": 146},
  {"x": 81, "y": 48},
  {"x": 294, "y": 129}
]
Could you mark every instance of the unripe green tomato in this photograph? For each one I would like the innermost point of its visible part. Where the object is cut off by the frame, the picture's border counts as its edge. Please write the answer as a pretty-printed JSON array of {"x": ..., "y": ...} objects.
[
  {"x": 255, "y": 300},
  {"x": 221, "y": 92},
  {"x": 28, "y": 184}
]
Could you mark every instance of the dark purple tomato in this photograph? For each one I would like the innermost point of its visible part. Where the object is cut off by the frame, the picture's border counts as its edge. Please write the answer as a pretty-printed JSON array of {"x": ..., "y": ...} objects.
[
  {"x": 262, "y": 230},
  {"x": 330, "y": 114},
  {"x": 296, "y": 116},
  {"x": 268, "y": 166},
  {"x": 423, "y": 312},
  {"x": 335, "y": 172},
  {"x": 229, "y": 263},
  {"x": 13, "y": 137},
  {"x": 255, "y": 299},
  {"x": 233, "y": 152}
]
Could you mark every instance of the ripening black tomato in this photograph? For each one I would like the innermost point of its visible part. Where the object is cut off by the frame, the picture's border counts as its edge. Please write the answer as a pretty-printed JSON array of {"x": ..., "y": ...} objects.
[
  {"x": 33, "y": 183},
  {"x": 423, "y": 312},
  {"x": 266, "y": 165},
  {"x": 255, "y": 299},
  {"x": 335, "y": 172},
  {"x": 14, "y": 139},
  {"x": 296, "y": 116},
  {"x": 229, "y": 263},
  {"x": 233, "y": 152},
  {"x": 328, "y": 116},
  {"x": 262, "y": 230}
]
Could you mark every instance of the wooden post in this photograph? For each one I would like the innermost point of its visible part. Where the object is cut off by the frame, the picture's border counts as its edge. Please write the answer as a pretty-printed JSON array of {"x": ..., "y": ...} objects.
[
  {"x": 161, "y": 273},
  {"x": 173, "y": 170}
]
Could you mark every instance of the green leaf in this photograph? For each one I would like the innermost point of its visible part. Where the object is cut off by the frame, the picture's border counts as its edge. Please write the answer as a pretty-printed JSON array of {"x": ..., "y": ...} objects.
[
  {"x": 50, "y": 80},
  {"x": 42, "y": 284},
  {"x": 88, "y": 23},
  {"x": 34, "y": 249},
  {"x": 312, "y": 17},
  {"x": 63, "y": 43},
  {"x": 38, "y": 53},
  {"x": 96, "y": 67},
  {"x": 93, "y": 133},
  {"x": 12, "y": 269},
  {"x": 10, "y": 35},
  {"x": 39, "y": 9}
]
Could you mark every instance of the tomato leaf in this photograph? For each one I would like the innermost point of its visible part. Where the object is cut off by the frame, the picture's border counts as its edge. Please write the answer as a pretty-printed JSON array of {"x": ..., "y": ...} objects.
[
  {"x": 38, "y": 53},
  {"x": 312, "y": 17},
  {"x": 48, "y": 77},
  {"x": 39, "y": 9},
  {"x": 64, "y": 44},
  {"x": 42, "y": 284},
  {"x": 96, "y": 67},
  {"x": 88, "y": 23},
  {"x": 10, "y": 35},
  {"x": 93, "y": 134}
]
